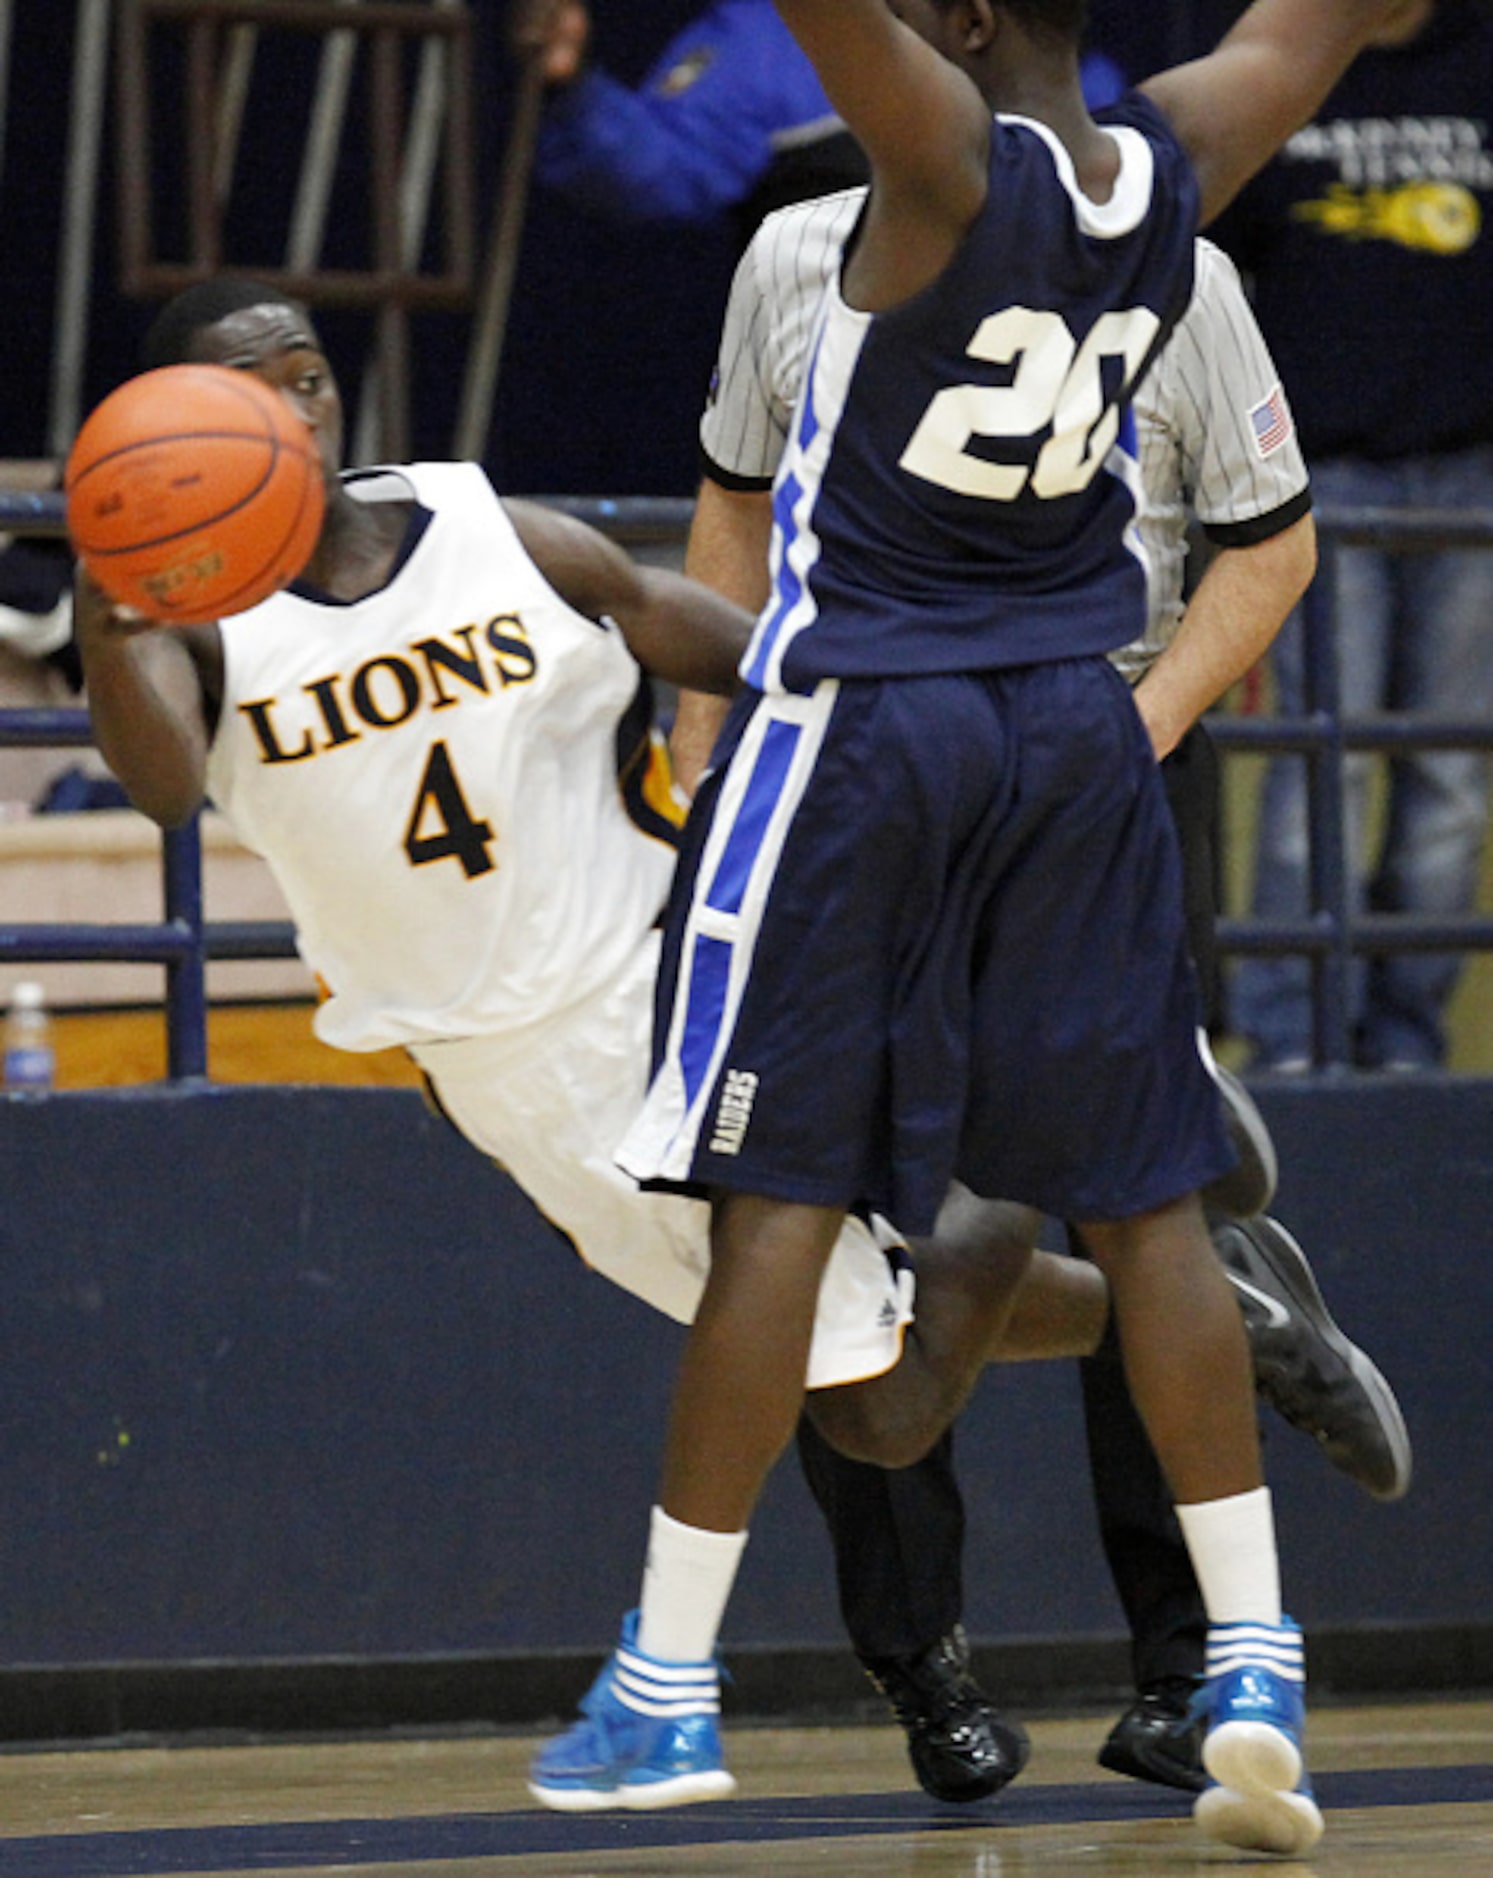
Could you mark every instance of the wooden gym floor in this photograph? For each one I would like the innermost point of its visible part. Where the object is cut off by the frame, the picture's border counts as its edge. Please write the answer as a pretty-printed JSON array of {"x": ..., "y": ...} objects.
[{"x": 1407, "y": 1790}]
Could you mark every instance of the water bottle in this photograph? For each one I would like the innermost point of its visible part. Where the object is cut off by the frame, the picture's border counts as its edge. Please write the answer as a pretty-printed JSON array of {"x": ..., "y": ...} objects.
[{"x": 30, "y": 1061}]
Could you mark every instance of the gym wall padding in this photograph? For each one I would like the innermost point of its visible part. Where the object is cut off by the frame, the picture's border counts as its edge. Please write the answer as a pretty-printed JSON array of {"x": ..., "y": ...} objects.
[{"x": 293, "y": 1376}]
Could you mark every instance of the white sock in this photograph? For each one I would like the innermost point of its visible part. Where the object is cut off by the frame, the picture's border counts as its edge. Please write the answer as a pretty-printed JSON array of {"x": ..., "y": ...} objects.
[
  {"x": 1232, "y": 1546},
  {"x": 686, "y": 1582}
]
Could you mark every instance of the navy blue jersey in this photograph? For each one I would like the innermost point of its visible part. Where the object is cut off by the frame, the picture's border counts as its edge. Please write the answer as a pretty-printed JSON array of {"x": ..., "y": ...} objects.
[{"x": 959, "y": 490}]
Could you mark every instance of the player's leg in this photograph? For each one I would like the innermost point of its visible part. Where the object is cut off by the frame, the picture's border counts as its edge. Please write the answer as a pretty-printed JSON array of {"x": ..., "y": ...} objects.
[
  {"x": 898, "y": 1537},
  {"x": 1159, "y": 1737},
  {"x": 772, "y": 1105},
  {"x": 1195, "y": 1396},
  {"x": 1195, "y": 1393},
  {"x": 648, "y": 1736},
  {"x": 970, "y": 1272},
  {"x": 1111, "y": 1120},
  {"x": 898, "y": 1533},
  {"x": 1312, "y": 1375}
]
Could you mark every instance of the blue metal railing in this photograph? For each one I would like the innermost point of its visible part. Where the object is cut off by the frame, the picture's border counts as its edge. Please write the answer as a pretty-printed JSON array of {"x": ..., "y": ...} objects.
[
  {"x": 178, "y": 941},
  {"x": 1331, "y": 935}
]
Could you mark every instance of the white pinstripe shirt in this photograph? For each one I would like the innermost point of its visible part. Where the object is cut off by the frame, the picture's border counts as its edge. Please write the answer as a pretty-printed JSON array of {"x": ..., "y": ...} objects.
[{"x": 1213, "y": 426}]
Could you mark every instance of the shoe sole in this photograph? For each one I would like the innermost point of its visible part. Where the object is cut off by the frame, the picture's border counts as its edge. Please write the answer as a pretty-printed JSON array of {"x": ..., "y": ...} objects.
[
  {"x": 1252, "y": 1757},
  {"x": 1255, "y": 1805},
  {"x": 1246, "y": 1190},
  {"x": 1288, "y": 1265},
  {"x": 682, "y": 1790},
  {"x": 1287, "y": 1824}
]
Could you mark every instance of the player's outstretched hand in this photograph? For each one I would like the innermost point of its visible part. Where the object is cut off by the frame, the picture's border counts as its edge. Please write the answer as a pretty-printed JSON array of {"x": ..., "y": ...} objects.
[{"x": 96, "y": 615}]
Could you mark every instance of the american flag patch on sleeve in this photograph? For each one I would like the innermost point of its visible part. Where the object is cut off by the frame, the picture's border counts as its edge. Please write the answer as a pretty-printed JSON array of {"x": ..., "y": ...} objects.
[{"x": 1271, "y": 422}]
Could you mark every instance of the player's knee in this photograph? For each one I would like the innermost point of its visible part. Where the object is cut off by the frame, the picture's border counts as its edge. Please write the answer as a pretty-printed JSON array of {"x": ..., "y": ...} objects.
[{"x": 867, "y": 1424}]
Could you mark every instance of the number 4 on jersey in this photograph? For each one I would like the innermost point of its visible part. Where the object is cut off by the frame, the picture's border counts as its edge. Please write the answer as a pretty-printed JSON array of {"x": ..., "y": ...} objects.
[{"x": 441, "y": 826}]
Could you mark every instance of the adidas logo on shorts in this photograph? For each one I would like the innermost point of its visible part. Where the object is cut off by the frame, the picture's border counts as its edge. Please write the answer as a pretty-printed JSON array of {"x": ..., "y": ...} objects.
[{"x": 734, "y": 1111}]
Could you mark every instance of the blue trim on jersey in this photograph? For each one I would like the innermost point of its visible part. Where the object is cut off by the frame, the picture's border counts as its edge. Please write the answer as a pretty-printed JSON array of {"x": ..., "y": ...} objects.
[
  {"x": 787, "y": 589},
  {"x": 727, "y": 888},
  {"x": 705, "y": 1005},
  {"x": 1128, "y": 440},
  {"x": 724, "y": 892},
  {"x": 793, "y": 542},
  {"x": 733, "y": 844},
  {"x": 806, "y": 429}
]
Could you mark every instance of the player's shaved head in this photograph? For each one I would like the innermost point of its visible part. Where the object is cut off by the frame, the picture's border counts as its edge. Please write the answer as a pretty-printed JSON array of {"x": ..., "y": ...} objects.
[{"x": 169, "y": 338}]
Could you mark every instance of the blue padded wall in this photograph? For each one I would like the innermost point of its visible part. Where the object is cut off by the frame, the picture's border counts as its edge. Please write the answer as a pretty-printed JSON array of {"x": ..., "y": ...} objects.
[{"x": 294, "y": 1373}]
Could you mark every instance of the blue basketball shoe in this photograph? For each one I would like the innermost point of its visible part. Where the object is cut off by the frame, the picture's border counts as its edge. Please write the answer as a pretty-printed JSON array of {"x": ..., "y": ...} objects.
[
  {"x": 1259, "y": 1797},
  {"x": 648, "y": 1737}
]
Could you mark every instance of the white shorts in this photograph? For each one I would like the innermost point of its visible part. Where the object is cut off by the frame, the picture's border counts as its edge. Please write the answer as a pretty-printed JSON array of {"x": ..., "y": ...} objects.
[{"x": 551, "y": 1104}]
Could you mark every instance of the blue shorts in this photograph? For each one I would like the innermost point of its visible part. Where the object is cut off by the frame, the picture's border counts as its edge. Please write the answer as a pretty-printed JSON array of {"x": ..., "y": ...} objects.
[{"x": 932, "y": 927}]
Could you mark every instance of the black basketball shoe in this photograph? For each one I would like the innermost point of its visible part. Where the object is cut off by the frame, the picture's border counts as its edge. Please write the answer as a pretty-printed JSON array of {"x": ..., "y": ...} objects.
[
  {"x": 960, "y": 1748},
  {"x": 1160, "y": 1737},
  {"x": 1312, "y": 1375}
]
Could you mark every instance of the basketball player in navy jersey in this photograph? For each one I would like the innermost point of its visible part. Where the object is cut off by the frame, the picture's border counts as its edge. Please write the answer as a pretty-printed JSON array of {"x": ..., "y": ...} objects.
[
  {"x": 929, "y": 922},
  {"x": 898, "y": 1534}
]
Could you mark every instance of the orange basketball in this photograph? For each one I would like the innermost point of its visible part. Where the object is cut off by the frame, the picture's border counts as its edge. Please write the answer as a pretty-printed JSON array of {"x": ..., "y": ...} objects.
[{"x": 193, "y": 492}]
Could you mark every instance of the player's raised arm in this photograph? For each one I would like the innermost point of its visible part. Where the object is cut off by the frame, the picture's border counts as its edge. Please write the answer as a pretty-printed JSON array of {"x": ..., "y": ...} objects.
[
  {"x": 1233, "y": 108},
  {"x": 911, "y": 108},
  {"x": 675, "y": 628},
  {"x": 917, "y": 115}
]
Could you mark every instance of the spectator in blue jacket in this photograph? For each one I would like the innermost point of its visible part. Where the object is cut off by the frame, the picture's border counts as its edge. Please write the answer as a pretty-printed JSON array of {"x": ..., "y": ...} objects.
[{"x": 731, "y": 119}]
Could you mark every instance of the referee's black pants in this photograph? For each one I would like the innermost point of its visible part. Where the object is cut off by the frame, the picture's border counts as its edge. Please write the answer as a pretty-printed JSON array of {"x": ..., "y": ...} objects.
[{"x": 898, "y": 1535}]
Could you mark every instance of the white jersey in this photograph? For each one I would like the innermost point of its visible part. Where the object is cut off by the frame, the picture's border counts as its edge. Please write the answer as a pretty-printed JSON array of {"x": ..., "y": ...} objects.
[
  {"x": 448, "y": 779},
  {"x": 1214, "y": 429},
  {"x": 432, "y": 773}
]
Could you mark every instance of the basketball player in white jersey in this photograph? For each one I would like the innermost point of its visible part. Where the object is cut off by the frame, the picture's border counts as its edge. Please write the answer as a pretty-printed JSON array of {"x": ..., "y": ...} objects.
[
  {"x": 442, "y": 740},
  {"x": 1215, "y": 442}
]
